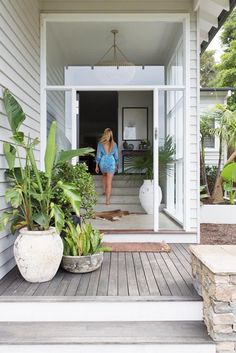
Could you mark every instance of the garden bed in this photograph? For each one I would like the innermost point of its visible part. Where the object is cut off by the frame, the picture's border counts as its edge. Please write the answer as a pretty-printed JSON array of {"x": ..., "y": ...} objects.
[{"x": 218, "y": 234}]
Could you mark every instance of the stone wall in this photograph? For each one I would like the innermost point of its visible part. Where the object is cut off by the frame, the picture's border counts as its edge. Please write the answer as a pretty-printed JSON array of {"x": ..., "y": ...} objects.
[{"x": 219, "y": 304}]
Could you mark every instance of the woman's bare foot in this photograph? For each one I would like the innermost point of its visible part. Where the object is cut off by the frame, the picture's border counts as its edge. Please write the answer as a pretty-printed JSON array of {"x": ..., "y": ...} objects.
[{"x": 108, "y": 202}]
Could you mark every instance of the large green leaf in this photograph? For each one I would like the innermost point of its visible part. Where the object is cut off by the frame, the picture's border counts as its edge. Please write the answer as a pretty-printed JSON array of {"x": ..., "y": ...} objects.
[
  {"x": 58, "y": 215},
  {"x": 229, "y": 172},
  {"x": 72, "y": 194},
  {"x": 65, "y": 156},
  {"x": 50, "y": 153},
  {"x": 42, "y": 219},
  {"x": 10, "y": 154},
  {"x": 7, "y": 217},
  {"x": 15, "y": 113},
  {"x": 14, "y": 196}
]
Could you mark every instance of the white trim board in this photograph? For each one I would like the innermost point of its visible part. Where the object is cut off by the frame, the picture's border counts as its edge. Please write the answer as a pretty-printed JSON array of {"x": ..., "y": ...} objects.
[
  {"x": 114, "y": 17},
  {"x": 185, "y": 238},
  {"x": 108, "y": 348},
  {"x": 190, "y": 310}
]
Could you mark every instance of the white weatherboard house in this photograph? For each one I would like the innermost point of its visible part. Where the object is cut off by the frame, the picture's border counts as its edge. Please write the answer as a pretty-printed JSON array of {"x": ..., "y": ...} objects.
[{"x": 52, "y": 60}]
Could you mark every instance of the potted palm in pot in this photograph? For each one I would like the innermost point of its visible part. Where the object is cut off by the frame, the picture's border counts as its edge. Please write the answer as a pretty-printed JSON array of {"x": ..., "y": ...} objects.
[
  {"x": 143, "y": 164},
  {"x": 83, "y": 250},
  {"x": 38, "y": 248}
]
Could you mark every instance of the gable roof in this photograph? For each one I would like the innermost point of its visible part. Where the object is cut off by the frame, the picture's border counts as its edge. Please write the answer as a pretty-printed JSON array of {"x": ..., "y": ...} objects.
[{"x": 212, "y": 16}]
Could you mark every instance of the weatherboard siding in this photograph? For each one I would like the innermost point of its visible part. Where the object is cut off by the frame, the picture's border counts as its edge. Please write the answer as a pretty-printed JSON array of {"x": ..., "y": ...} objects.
[
  {"x": 19, "y": 72},
  {"x": 193, "y": 125}
]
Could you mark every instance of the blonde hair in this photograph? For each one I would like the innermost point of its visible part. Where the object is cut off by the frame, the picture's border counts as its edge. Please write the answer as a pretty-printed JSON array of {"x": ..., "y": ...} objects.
[{"x": 107, "y": 137}]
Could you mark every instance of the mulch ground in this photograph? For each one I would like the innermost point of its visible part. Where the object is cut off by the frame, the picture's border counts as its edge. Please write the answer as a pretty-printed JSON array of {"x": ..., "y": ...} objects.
[{"x": 218, "y": 233}]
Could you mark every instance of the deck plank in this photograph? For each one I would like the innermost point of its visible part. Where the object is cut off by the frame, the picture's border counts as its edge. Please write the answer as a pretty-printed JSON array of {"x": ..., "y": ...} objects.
[
  {"x": 182, "y": 259},
  {"x": 160, "y": 279},
  {"x": 141, "y": 280},
  {"x": 177, "y": 276},
  {"x": 184, "y": 252},
  {"x": 11, "y": 290},
  {"x": 168, "y": 276},
  {"x": 61, "y": 290},
  {"x": 103, "y": 283},
  {"x": 8, "y": 279},
  {"x": 122, "y": 275},
  {"x": 132, "y": 282},
  {"x": 54, "y": 285},
  {"x": 182, "y": 270},
  {"x": 151, "y": 282},
  {"x": 113, "y": 277},
  {"x": 73, "y": 285},
  {"x": 83, "y": 285},
  {"x": 93, "y": 283}
]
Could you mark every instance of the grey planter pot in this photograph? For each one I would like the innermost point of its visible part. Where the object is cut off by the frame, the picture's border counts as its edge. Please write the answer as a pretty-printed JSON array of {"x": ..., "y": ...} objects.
[{"x": 82, "y": 264}]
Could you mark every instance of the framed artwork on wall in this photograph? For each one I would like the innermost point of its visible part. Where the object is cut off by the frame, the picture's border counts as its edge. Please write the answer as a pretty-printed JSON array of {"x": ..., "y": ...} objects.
[{"x": 135, "y": 123}]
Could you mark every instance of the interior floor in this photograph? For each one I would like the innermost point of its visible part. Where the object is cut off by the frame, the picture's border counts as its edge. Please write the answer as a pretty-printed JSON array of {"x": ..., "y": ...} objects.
[{"x": 137, "y": 221}]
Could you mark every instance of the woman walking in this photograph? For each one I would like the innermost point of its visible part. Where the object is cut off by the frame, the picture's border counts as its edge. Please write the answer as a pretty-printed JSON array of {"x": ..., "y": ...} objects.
[{"x": 107, "y": 159}]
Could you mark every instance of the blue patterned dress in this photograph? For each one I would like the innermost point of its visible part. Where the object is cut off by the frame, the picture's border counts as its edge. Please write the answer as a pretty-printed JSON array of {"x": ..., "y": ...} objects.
[{"x": 107, "y": 161}]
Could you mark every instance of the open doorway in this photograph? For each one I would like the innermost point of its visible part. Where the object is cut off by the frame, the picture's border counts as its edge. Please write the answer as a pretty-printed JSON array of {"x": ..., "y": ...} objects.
[{"x": 97, "y": 111}]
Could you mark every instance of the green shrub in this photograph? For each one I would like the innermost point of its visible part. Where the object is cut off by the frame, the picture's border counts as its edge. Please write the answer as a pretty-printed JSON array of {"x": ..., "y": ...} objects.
[{"x": 79, "y": 176}]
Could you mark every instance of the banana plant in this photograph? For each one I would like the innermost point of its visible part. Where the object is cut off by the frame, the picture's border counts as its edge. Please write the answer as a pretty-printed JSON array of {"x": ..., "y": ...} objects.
[
  {"x": 228, "y": 175},
  {"x": 30, "y": 192},
  {"x": 82, "y": 241}
]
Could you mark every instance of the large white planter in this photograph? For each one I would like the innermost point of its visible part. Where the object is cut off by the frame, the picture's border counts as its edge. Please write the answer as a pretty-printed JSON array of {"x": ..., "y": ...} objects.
[
  {"x": 146, "y": 198},
  {"x": 221, "y": 214},
  {"x": 38, "y": 254}
]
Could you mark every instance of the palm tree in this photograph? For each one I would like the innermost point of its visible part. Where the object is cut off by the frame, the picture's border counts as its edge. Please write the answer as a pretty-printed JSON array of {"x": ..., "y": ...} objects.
[
  {"x": 226, "y": 132},
  {"x": 143, "y": 164},
  {"x": 206, "y": 130}
]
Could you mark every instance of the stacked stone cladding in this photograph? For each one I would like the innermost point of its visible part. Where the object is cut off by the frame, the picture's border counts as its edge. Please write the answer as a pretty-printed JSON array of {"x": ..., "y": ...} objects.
[{"x": 219, "y": 304}]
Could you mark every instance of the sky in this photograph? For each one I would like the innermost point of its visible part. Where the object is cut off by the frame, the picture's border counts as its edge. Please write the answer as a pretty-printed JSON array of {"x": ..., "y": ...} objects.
[{"x": 215, "y": 45}]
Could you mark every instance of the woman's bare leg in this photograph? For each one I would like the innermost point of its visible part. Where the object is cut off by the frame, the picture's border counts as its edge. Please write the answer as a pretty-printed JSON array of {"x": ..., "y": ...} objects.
[
  {"x": 109, "y": 187},
  {"x": 104, "y": 183}
]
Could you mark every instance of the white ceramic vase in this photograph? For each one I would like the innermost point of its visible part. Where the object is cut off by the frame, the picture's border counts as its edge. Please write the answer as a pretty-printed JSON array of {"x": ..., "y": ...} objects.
[
  {"x": 38, "y": 254},
  {"x": 146, "y": 192}
]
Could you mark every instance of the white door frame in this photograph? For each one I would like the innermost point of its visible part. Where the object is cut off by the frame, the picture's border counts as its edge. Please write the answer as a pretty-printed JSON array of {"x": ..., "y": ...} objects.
[{"x": 85, "y": 17}]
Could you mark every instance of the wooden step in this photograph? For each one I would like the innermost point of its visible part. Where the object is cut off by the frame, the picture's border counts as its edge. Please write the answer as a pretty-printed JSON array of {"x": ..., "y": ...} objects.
[
  {"x": 120, "y": 199},
  {"x": 119, "y": 191},
  {"x": 118, "y": 337},
  {"x": 120, "y": 183},
  {"x": 132, "y": 208}
]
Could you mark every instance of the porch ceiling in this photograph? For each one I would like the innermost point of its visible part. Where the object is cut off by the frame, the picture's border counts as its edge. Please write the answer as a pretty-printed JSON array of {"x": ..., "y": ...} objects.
[
  {"x": 212, "y": 13},
  {"x": 85, "y": 43}
]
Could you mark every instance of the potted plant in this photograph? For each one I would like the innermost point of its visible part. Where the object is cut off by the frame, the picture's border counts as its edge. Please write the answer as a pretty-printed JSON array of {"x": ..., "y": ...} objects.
[
  {"x": 83, "y": 250},
  {"x": 38, "y": 248},
  {"x": 144, "y": 164}
]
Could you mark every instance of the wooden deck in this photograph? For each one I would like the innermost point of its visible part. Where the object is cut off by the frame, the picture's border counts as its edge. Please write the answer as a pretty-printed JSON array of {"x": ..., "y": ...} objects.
[{"x": 121, "y": 274}]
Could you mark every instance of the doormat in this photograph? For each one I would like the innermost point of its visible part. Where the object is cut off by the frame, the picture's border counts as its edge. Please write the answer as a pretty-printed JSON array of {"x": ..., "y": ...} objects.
[
  {"x": 111, "y": 215},
  {"x": 138, "y": 247}
]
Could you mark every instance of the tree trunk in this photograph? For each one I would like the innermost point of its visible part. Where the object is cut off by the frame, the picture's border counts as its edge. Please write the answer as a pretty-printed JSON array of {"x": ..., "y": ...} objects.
[
  {"x": 217, "y": 194},
  {"x": 203, "y": 168}
]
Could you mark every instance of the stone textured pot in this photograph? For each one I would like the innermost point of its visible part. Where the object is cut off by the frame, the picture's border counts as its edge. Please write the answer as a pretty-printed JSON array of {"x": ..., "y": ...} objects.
[
  {"x": 82, "y": 264},
  {"x": 38, "y": 254},
  {"x": 146, "y": 192}
]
